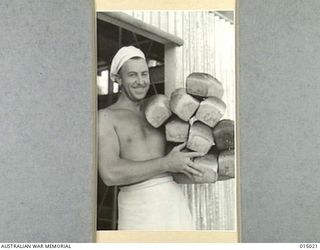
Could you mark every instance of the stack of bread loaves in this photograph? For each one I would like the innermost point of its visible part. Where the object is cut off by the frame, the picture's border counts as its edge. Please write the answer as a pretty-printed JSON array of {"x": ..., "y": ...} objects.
[{"x": 195, "y": 114}]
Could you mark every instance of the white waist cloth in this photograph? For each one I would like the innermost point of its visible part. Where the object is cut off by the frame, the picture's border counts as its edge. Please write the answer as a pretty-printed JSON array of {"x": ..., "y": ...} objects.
[{"x": 155, "y": 204}]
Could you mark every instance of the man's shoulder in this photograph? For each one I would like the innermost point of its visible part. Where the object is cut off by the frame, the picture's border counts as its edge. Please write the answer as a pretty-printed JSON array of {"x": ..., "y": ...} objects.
[
  {"x": 106, "y": 114},
  {"x": 111, "y": 113}
]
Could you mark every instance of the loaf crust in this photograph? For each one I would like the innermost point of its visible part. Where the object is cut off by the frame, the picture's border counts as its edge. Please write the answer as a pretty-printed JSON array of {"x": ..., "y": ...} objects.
[
  {"x": 204, "y": 85},
  {"x": 211, "y": 110},
  {"x": 157, "y": 110},
  {"x": 223, "y": 134},
  {"x": 177, "y": 130},
  {"x": 200, "y": 138},
  {"x": 183, "y": 104}
]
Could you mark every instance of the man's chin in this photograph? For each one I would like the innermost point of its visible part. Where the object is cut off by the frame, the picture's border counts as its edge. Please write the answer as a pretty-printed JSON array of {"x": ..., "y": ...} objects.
[{"x": 138, "y": 98}]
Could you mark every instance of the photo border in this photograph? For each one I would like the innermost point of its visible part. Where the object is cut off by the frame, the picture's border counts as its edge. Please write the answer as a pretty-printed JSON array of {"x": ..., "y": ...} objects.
[{"x": 205, "y": 236}]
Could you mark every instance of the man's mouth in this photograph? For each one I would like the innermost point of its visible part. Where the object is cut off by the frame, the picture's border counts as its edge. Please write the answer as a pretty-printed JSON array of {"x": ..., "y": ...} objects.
[{"x": 139, "y": 89}]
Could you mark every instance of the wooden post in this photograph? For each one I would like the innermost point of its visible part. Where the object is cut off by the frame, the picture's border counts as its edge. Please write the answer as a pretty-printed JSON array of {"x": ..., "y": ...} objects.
[{"x": 170, "y": 69}]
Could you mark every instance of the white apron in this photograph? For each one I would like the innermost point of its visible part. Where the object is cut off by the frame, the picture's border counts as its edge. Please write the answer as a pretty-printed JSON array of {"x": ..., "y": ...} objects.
[{"x": 155, "y": 204}]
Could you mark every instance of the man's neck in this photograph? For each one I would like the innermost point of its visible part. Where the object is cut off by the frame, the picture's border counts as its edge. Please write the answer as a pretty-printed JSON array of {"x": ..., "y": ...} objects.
[{"x": 136, "y": 106}]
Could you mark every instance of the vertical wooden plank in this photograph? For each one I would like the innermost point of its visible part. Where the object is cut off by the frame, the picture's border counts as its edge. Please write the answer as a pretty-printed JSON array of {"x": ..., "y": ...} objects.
[
  {"x": 194, "y": 42},
  {"x": 204, "y": 206},
  {"x": 208, "y": 208},
  {"x": 186, "y": 49},
  {"x": 222, "y": 65},
  {"x": 171, "y": 22},
  {"x": 163, "y": 20},
  {"x": 215, "y": 206},
  {"x": 170, "y": 67},
  {"x": 197, "y": 206},
  {"x": 215, "y": 189},
  {"x": 147, "y": 17},
  {"x": 233, "y": 72},
  {"x": 178, "y": 29},
  {"x": 212, "y": 44},
  {"x": 233, "y": 209},
  {"x": 205, "y": 36},
  {"x": 216, "y": 47},
  {"x": 224, "y": 201},
  {"x": 192, "y": 189},
  {"x": 191, "y": 56},
  {"x": 155, "y": 18},
  {"x": 226, "y": 66},
  {"x": 221, "y": 204},
  {"x": 198, "y": 41},
  {"x": 229, "y": 72}
]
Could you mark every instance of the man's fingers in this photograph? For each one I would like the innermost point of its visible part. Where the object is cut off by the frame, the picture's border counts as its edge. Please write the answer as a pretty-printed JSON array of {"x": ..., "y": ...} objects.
[
  {"x": 180, "y": 146},
  {"x": 193, "y": 154},
  {"x": 194, "y": 165},
  {"x": 193, "y": 169},
  {"x": 187, "y": 174}
]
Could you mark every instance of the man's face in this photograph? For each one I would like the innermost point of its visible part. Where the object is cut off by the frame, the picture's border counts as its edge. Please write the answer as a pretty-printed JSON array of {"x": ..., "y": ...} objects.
[{"x": 134, "y": 78}]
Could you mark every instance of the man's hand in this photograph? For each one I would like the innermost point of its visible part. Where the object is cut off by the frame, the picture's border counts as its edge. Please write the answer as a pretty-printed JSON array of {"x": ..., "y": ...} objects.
[{"x": 180, "y": 162}]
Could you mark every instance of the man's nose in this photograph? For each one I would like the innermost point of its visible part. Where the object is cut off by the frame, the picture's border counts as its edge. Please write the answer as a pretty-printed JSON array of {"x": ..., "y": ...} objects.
[{"x": 141, "y": 80}]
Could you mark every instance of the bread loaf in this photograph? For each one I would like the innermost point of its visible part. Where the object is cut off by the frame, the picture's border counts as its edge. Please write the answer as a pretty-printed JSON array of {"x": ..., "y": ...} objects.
[
  {"x": 182, "y": 104},
  {"x": 177, "y": 130},
  {"x": 226, "y": 164},
  {"x": 208, "y": 164},
  {"x": 157, "y": 110},
  {"x": 211, "y": 111},
  {"x": 200, "y": 138},
  {"x": 223, "y": 134},
  {"x": 204, "y": 85}
]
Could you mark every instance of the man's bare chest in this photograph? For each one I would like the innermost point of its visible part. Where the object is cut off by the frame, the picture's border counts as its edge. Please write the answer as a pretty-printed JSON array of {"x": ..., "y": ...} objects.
[{"x": 135, "y": 130}]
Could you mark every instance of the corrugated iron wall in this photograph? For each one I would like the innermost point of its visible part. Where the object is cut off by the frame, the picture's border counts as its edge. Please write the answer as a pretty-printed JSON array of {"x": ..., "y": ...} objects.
[{"x": 209, "y": 46}]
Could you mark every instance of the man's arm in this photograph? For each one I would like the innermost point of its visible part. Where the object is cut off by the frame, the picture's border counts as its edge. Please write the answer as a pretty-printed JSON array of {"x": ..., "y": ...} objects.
[{"x": 114, "y": 170}]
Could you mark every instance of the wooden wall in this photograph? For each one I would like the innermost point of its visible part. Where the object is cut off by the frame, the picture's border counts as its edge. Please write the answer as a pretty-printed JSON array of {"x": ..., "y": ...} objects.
[{"x": 209, "y": 46}]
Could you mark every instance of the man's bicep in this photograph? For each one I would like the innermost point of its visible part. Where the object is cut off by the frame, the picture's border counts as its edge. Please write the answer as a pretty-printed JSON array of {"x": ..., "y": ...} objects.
[{"x": 108, "y": 143}]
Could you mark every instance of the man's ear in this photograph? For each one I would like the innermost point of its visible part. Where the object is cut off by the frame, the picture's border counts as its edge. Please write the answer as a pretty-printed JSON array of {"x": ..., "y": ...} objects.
[{"x": 117, "y": 78}]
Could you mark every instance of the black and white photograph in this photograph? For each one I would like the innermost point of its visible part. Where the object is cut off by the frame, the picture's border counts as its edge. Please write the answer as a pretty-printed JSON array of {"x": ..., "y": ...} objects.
[{"x": 166, "y": 120}]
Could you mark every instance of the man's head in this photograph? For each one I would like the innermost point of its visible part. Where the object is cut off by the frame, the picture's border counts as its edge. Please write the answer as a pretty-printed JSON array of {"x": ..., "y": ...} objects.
[{"x": 129, "y": 69}]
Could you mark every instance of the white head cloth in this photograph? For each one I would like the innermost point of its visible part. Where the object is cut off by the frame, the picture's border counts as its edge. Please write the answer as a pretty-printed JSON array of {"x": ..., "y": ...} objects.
[{"x": 123, "y": 55}]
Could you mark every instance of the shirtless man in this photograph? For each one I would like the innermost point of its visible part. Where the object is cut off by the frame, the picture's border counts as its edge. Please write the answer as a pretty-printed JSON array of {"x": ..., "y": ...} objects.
[{"x": 132, "y": 154}]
